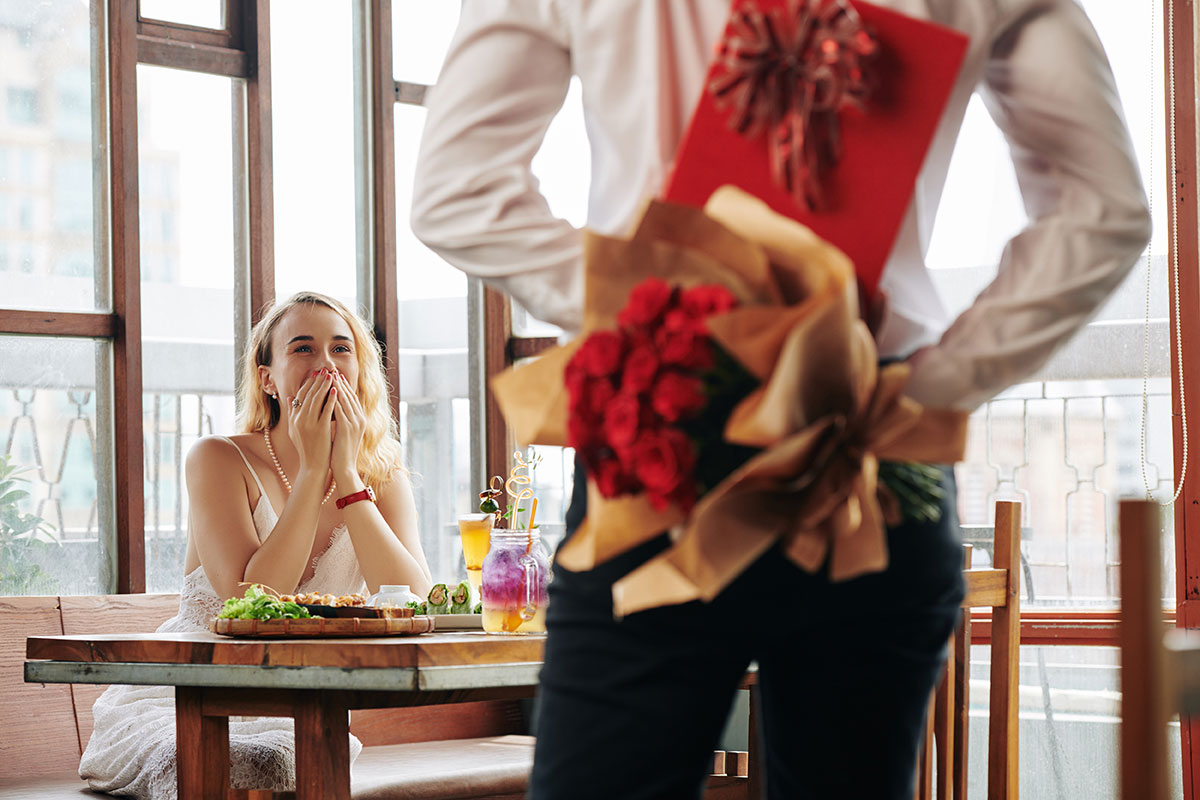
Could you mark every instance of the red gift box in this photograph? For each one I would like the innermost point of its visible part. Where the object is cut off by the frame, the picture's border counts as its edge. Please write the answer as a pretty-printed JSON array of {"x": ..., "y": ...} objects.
[{"x": 867, "y": 191}]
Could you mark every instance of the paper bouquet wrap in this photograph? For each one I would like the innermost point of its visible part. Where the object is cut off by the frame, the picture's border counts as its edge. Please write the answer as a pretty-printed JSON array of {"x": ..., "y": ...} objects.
[{"x": 822, "y": 417}]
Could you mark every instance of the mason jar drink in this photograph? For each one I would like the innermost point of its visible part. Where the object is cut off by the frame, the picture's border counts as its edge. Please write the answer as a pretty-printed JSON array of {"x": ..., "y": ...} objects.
[{"x": 516, "y": 573}]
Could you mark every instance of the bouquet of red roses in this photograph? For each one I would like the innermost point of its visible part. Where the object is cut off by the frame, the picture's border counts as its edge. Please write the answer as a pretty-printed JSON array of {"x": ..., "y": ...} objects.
[
  {"x": 648, "y": 400},
  {"x": 725, "y": 387}
]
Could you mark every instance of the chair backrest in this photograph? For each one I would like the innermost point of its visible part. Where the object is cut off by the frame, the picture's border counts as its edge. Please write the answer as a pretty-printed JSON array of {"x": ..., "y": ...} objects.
[
  {"x": 999, "y": 589},
  {"x": 113, "y": 613},
  {"x": 1146, "y": 680},
  {"x": 45, "y": 726},
  {"x": 38, "y": 720}
]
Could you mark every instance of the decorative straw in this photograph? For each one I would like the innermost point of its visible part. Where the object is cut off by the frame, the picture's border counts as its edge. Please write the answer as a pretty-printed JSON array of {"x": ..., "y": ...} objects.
[{"x": 529, "y": 527}]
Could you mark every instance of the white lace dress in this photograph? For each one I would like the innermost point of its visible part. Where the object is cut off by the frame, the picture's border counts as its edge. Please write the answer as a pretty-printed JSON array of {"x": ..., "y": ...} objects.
[{"x": 132, "y": 749}]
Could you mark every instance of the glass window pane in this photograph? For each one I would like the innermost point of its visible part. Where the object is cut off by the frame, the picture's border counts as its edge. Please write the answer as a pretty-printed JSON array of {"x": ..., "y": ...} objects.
[
  {"x": 1068, "y": 444},
  {"x": 1069, "y": 712},
  {"x": 312, "y": 107},
  {"x": 1068, "y": 453},
  {"x": 419, "y": 271},
  {"x": 200, "y": 13},
  {"x": 421, "y": 33},
  {"x": 48, "y": 254},
  {"x": 435, "y": 410},
  {"x": 57, "y": 537},
  {"x": 187, "y": 245}
]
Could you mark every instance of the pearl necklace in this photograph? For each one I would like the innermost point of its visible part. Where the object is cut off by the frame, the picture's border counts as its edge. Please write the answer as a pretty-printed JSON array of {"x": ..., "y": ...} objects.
[{"x": 286, "y": 483}]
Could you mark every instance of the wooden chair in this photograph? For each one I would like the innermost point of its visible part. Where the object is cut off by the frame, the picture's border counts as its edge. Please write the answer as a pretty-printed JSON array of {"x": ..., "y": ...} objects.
[
  {"x": 1157, "y": 676},
  {"x": 948, "y": 723},
  {"x": 737, "y": 774}
]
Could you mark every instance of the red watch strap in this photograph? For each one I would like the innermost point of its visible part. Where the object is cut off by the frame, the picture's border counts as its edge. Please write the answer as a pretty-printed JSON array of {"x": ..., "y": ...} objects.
[{"x": 366, "y": 494}]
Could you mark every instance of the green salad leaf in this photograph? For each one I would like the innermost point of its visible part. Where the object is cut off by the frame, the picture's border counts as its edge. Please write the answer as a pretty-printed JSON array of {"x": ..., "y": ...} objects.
[{"x": 258, "y": 604}]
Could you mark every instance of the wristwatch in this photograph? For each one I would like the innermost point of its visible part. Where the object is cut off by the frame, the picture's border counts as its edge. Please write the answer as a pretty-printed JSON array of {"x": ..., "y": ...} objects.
[{"x": 366, "y": 494}]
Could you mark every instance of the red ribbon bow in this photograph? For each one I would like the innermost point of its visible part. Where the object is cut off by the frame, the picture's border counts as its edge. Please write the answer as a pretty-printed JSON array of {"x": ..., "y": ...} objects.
[{"x": 788, "y": 72}]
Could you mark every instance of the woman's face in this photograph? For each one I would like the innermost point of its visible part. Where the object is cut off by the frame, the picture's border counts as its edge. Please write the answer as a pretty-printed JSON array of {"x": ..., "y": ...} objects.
[{"x": 309, "y": 338}]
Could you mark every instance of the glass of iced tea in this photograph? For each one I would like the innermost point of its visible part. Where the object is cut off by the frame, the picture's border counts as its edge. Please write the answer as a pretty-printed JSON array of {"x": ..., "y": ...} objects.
[{"x": 476, "y": 533}]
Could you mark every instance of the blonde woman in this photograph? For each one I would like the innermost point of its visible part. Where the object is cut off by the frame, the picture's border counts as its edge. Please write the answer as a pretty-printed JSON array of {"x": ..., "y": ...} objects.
[{"x": 310, "y": 496}]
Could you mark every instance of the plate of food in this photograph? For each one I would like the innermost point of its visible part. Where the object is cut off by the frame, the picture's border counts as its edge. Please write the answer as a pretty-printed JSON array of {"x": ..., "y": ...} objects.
[
  {"x": 342, "y": 606},
  {"x": 263, "y": 614},
  {"x": 451, "y": 609}
]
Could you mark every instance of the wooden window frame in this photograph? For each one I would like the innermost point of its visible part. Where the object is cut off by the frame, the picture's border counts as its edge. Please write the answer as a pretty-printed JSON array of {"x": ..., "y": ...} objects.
[
  {"x": 221, "y": 51},
  {"x": 385, "y": 301},
  {"x": 1184, "y": 230},
  {"x": 240, "y": 50}
]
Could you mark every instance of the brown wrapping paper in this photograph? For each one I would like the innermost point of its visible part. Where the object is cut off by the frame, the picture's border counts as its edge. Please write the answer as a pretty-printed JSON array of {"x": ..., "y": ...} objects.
[{"x": 824, "y": 415}]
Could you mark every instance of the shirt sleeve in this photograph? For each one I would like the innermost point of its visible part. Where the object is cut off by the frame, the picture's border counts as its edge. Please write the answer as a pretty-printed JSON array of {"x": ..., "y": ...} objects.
[
  {"x": 1048, "y": 86},
  {"x": 476, "y": 201}
]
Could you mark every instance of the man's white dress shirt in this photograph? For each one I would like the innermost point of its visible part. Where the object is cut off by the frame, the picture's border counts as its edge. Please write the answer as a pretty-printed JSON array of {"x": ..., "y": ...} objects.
[{"x": 1037, "y": 64}]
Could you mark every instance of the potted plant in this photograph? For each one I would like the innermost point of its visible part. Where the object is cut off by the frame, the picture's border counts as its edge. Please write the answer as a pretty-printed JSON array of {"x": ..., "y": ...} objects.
[{"x": 22, "y": 537}]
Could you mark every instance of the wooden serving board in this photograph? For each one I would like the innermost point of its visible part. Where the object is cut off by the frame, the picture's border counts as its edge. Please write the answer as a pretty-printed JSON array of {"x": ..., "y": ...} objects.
[{"x": 320, "y": 627}]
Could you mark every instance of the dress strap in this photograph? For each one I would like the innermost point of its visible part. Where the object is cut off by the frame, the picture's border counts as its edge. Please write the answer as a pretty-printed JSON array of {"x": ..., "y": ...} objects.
[{"x": 246, "y": 461}]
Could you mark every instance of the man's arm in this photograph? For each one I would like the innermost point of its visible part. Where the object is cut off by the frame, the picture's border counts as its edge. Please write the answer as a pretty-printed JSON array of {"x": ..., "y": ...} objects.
[
  {"x": 1049, "y": 88},
  {"x": 475, "y": 199}
]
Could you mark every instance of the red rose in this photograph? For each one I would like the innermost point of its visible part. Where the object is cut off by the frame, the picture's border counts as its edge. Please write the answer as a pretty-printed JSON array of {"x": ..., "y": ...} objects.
[
  {"x": 590, "y": 397},
  {"x": 600, "y": 354},
  {"x": 582, "y": 433},
  {"x": 609, "y": 477},
  {"x": 640, "y": 367},
  {"x": 575, "y": 379},
  {"x": 678, "y": 320},
  {"x": 677, "y": 395},
  {"x": 684, "y": 348},
  {"x": 622, "y": 419},
  {"x": 703, "y": 301},
  {"x": 664, "y": 459},
  {"x": 648, "y": 300}
]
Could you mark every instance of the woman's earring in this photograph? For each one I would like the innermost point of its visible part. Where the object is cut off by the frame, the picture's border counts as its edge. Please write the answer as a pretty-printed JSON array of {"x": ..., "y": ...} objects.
[{"x": 274, "y": 396}]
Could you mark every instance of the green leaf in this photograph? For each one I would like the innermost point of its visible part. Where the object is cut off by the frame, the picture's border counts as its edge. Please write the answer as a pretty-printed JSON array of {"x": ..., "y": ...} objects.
[
  {"x": 917, "y": 487},
  {"x": 257, "y": 604},
  {"x": 13, "y": 497}
]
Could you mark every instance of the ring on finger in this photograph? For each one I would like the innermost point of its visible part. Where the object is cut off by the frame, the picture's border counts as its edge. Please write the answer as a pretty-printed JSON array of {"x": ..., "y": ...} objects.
[{"x": 295, "y": 402}]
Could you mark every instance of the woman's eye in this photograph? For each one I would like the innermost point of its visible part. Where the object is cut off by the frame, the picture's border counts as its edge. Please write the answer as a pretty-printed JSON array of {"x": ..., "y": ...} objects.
[
  {"x": 341, "y": 349},
  {"x": 302, "y": 349}
]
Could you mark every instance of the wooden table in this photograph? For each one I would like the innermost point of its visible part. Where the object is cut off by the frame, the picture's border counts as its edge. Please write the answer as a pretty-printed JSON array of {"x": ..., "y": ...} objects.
[{"x": 316, "y": 681}]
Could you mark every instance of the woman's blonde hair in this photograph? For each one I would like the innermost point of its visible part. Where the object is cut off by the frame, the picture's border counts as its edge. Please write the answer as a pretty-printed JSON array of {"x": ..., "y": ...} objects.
[{"x": 380, "y": 456}]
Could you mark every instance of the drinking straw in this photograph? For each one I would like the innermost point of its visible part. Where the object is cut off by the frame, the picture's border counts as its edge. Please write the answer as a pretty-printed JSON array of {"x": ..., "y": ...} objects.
[{"x": 529, "y": 527}]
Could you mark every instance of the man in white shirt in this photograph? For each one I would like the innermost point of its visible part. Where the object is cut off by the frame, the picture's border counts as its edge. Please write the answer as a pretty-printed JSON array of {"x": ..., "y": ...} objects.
[{"x": 1047, "y": 84}]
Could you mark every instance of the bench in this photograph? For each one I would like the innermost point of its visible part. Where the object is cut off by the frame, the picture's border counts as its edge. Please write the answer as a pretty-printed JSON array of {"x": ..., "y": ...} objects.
[{"x": 450, "y": 752}]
